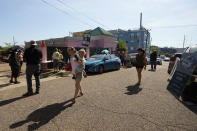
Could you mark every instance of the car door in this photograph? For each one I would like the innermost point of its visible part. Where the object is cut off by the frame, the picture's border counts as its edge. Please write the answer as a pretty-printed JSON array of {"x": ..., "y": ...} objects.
[
  {"x": 107, "y": 62},
  {"x": 114, "y": 62}
]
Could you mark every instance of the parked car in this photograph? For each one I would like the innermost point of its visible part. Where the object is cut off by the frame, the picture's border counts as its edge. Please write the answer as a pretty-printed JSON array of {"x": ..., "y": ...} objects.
[
  {"x": 102, "y": 62},
  {"x": 159, "y": 61},
  {"x": 133, "y": 58},
  {"x": 172, "y": 61},
  {"x": 166, "y": 59},
  {"x": 148, "y": 60}
]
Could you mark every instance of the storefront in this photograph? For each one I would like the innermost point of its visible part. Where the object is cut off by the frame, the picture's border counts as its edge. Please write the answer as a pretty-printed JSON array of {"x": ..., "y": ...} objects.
[{"x": 99, "y": 39}]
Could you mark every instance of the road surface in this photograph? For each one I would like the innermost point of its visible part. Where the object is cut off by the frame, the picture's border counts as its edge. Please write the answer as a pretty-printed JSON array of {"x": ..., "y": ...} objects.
[{"x": 111, "y": 102}]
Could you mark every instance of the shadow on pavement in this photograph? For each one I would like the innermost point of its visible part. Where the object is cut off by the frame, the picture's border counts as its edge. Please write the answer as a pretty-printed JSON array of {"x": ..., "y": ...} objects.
[
  {"x": 43, "y": 115},
  {"x": 5, "y": 76},
  {"x": 4, "y": 85},
  {"x": 133, "y": 89},
  {"x": 4, "y": 71},
  {"x": 97, "y": 73},
  {"x": 5, "y": 102},
  {"x": 152, "y": 70},
  {"x": 52, "y": 73}
]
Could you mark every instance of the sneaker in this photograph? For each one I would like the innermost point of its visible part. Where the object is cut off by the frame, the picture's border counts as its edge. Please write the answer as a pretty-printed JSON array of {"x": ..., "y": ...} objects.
[
  {"x": 37, "y": 92},
  {"x": 28, "y": 94},
  {"x": 11, "y": 81}
]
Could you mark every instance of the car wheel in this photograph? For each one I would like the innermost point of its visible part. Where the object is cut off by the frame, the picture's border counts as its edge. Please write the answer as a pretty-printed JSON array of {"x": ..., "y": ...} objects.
[{"x": 101, "y": 69}]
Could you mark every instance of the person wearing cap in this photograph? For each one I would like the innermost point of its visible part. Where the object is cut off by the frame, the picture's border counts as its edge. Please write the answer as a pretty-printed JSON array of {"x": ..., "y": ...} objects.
[
  {"x": 55, "y": 59},
  {"x": 33, "y": 58}
]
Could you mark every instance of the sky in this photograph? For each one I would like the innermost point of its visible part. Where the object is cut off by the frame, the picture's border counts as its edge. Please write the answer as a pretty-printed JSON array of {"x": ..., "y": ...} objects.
[{"x": 168, "y": 20}]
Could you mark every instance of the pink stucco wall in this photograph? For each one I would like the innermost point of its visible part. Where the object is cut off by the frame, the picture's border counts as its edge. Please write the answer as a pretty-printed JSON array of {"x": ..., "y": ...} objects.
[{"x": 99, "y": 43}]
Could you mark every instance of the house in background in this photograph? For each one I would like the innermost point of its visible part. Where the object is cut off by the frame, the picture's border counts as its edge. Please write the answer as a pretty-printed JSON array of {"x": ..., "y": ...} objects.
[
  {"x": 99, "y": 39},
  {"x": 134, "y": 38}
]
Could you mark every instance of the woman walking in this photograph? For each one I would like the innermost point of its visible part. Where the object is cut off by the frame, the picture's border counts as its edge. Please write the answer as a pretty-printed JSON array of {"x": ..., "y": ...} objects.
[
  {"x": 78, "y": 76},
  {"x": 140, "y": 64},
  {"x": 15, "y": 66}
]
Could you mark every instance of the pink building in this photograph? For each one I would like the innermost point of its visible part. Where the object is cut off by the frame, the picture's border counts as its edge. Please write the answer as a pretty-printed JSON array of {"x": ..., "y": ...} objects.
[{"x": 100, "y": 39}]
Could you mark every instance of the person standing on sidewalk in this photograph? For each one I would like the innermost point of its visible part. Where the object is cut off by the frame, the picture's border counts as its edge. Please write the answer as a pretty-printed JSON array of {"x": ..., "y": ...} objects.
[
  {"x": 55, "y": 59},
  {"x": 74, "y": 64},
  {"x": 153, "y": 60},
  {"x": 140, "y": 64},
  {"x": 122, "y": 58},
  {"x": 15, "y": 66},
  {"x": 20, "y": 55},
  {"x": 61, "y": 62},
  {"x": 33, "y": 58}
]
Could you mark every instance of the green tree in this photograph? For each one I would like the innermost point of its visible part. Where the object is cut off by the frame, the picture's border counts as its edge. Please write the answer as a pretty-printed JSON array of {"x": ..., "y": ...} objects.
[
  {"x": 7, "y": 46},
  {"x": 155, "y": 48},
  {"x": 122, "y": 46}
]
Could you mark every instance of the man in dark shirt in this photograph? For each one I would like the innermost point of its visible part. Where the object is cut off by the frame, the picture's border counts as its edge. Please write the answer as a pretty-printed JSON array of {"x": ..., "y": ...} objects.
[
  {"x": 153, "y": 60},
  {"x": 33, "y": 58}
]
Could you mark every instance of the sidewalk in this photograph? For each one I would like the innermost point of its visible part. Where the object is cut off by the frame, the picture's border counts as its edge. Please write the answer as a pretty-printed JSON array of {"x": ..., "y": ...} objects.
[{"x": 46, "y": 75}]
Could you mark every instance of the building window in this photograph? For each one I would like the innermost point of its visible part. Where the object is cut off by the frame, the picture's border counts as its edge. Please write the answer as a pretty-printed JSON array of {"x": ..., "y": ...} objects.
[
  {"x": 121, "y": 35},
  {"x": 138, "y": 35},
  {"x": 132, "y": 36}
]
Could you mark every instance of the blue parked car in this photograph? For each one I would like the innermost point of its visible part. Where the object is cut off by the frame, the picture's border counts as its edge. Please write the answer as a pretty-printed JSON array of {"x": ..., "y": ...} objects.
[{"x": 102, "y": 62}]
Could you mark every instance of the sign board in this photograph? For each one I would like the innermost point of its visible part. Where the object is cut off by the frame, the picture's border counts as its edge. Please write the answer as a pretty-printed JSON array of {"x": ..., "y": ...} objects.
[
  {"x": 86, "y": 39},
  {"x": 178, "y": 83},
  {"x": 182, "y": 74}
]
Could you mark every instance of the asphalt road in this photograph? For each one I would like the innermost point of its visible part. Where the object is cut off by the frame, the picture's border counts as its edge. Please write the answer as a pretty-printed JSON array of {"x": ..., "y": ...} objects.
[{"x": 111, "y": 102}]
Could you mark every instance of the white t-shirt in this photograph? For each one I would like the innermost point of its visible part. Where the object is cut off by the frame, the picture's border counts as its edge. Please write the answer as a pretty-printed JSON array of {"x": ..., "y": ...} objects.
[
  {"x": 73, "y": 64},
  {"x": 56, "y": 55}
]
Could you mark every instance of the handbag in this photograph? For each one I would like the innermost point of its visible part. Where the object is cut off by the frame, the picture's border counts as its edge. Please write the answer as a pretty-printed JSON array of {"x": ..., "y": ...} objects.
[{"x": 69, "y": 67}]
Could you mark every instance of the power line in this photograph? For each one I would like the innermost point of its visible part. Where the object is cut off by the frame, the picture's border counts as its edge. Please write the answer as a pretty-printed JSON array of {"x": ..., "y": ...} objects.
[
  {"x": 95, "y": 21},
  {"x": 174, "y": 26},
  {"x": 64, "y": 12}
]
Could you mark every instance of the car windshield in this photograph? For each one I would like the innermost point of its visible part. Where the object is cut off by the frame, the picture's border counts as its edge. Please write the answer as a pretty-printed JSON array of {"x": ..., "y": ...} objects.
[
  {"x": 133, "y": 54},
  {"x": 178, "y": 55},
  {"x": 96, "y": 57}
]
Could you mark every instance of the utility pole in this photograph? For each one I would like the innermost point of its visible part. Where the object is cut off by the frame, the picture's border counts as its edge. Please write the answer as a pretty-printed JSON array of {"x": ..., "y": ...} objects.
[
  {"x": 184, "y": 42},
  {"x": 140, "y": 20},
  {"x": 140, "y": 36},
  {"x": 14, "y": 42}
]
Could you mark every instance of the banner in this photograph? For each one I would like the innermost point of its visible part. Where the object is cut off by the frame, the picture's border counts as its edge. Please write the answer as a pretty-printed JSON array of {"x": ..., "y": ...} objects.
[
  {"x": 86, "y": 39},
  {"x": 182, "y": 74}
]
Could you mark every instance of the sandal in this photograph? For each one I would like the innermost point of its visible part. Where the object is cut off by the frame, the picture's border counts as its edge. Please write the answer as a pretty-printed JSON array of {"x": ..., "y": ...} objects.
[
  {"x": 16, "y": 82},
  {"x": 81, "y": 94},
  {"x": 73, "y": 100}
]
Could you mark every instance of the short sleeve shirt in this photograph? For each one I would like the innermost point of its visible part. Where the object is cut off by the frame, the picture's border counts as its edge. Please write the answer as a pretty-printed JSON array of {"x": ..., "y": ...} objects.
[{"x": 73, "y": 64}]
